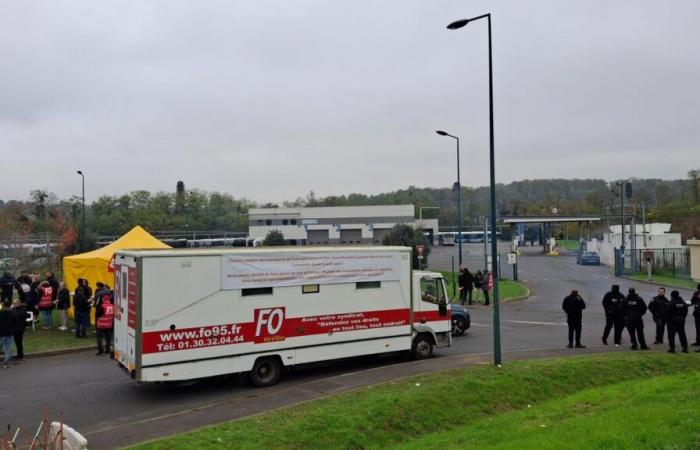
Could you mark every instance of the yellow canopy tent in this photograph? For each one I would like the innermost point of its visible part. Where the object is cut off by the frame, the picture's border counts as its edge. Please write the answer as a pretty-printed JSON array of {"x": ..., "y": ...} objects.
[{"x": 93, "y": 266}]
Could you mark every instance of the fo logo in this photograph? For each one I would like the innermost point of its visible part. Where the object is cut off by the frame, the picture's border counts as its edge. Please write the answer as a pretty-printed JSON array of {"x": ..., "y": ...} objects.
[{"x": 268, "y": 323}]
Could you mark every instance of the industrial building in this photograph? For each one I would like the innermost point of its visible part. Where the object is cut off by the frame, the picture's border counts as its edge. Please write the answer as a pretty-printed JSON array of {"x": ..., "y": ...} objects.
[{"x": 335, "y": 225}]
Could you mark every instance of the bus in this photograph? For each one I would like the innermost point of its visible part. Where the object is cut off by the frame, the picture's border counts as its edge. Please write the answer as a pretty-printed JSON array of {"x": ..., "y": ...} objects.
[{"x": 444, "y": 238}]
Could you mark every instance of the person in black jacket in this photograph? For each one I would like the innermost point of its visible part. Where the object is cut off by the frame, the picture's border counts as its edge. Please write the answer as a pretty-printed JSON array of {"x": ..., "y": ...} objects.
[
  {"x": 695, "y": 301},
  {"x": 7, "y": 285},
  {"x": 81, "y": 310},
  {"x": 573, "y": 305},
  {"x": 676, "y": 312},
  {"x": 614, "y": 317},
  {"x": 21, "y": 312},
  {"x": 657, "y": 308},
  {"x": 8, "y": 326},
  {"x": 634, "y": 308},
  {"x": 63, "y": 304},
  {"x": 478, "y": 281},
  {"x": 468, "y": 284}
]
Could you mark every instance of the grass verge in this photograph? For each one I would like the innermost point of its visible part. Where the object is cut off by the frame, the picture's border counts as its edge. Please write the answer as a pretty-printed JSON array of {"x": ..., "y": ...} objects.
[
  {"x": 666, "y": 280},
  {"x": 39, "y": 340},
  {"x": 398, "y": 412},
  {"x": 507, "y": 289},
  {"x": 591, "y": 419},
  {"x": 570, "y": 244}
]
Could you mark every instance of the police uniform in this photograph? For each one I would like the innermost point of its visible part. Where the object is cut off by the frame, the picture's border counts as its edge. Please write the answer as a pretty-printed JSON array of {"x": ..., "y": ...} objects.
[
  {"x": 676, "y": 312},
  {"x": 634, "y": 308}
]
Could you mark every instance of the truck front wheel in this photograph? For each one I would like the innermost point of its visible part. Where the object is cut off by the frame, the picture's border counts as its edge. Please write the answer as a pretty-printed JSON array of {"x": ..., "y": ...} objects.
[
  {"x": 266, "y": 372},
  {"x": 422, "y": 347}
]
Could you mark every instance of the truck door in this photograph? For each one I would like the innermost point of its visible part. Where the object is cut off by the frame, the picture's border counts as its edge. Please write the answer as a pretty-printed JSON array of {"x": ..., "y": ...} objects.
[
  {"x": 125, "y": 313},
  {"x": 432, "y": 308}
]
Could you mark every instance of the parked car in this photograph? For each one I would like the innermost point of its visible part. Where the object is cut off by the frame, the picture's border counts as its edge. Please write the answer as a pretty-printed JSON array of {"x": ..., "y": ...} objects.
[
  {"x": 461, "y": 320},
  {"x": 588, "y": 259}
]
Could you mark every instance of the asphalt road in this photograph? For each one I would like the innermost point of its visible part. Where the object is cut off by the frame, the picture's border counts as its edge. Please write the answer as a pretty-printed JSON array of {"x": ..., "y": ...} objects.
[{"x": 99, "y": 400}]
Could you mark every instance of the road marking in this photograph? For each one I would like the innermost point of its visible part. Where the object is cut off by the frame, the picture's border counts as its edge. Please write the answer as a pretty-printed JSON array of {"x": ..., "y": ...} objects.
[
  {"x": 480, "y": 325},
  {"x": 537, "y": 323}
]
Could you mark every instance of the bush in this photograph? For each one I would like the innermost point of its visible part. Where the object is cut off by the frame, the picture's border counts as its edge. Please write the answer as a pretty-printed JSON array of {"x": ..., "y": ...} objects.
[
  {"x": 273, "y": 238},
  {"x": 406, "y": 235}
]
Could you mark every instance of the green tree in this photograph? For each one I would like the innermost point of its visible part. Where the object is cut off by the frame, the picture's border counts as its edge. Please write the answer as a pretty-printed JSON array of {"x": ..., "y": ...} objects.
[
  {"x": 274, "y": 238},
  {"x": 407, "y": 236}
]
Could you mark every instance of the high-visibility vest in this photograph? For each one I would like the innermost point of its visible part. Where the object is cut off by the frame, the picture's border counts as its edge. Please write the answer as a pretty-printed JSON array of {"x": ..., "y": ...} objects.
[
  {"x": 106, "y": 320},
  {"x": 46, "y": 299}
]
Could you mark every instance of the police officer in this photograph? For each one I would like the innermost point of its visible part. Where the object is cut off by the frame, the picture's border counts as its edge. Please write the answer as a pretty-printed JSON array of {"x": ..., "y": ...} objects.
[
  {"x": 634, "y": 308},
  {"x": 573, "y": 306},
  {"x": 676, "y": 312},
  {"x": 657, "y": 308},
  {"x": 612, "y": 304},
  {"x": 695, "y": 301}
]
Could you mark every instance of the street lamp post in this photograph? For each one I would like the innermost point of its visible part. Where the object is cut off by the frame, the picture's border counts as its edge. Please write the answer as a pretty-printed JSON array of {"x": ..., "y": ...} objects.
[
  {"x": 459, "y": 197},
  {"x": 82, "y": 228},
  {"x": 494, "y": 243}
]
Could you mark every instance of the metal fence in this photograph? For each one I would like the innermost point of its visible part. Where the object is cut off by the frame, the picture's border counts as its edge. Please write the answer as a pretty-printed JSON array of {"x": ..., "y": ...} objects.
[{"x": 669, "y": 262}]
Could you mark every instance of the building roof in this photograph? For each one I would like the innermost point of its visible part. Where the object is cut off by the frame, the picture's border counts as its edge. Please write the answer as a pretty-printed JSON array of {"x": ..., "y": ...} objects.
[{"x": 329, "y": 212}]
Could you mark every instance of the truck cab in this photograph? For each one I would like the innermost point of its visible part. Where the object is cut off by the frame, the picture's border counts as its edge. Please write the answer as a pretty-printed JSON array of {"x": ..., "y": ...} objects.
[{"x": 431, "y": 314}]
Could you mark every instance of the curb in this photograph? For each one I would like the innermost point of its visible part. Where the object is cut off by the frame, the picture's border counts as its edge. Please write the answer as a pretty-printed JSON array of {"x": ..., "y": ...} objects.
[
  {"x": 57, "y": 352},
  {"x": 652, "y": 283}
]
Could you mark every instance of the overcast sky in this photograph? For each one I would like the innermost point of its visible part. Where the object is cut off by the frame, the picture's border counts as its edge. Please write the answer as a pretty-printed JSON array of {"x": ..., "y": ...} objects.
[{"x": 270, "y": 99}]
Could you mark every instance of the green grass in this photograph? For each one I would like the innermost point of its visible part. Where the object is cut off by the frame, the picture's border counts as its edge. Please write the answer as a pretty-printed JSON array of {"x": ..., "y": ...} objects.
[
  {"x": 604, "y": 417},
  {"x": 45, "y": 340},
  {"x": 569, "y": 244},
  {"x": 666, "y": 280},
  {"x": 399, "y": 412},
  {"x": 507, "y": 289}
]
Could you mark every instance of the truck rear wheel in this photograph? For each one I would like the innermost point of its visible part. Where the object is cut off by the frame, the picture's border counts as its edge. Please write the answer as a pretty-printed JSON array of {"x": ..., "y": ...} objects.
[
  {"x": 266, "y": 372},
  {"x": 422, "y": 347}
]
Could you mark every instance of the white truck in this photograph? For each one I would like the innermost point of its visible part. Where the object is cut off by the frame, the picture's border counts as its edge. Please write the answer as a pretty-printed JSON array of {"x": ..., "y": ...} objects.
[{"x": 187, "y": 314}]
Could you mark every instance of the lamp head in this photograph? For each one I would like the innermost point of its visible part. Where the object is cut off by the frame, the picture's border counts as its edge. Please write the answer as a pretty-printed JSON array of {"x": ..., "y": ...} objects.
[
  {"x": 441, "y": 133},
  {"x": 80, "y": 172},
  {"x": 458, "y": 24}
]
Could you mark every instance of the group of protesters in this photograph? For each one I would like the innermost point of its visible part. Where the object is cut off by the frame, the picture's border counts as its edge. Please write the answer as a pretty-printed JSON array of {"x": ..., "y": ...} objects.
[
  {"x": 35, "y": 302},
  {"x": 471, "y": 283},
  {"x": 627, "y": 311}
]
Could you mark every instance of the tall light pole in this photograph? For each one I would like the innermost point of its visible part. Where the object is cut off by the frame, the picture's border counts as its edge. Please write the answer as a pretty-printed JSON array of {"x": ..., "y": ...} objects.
[
  {"x": 494, "y": 243},
  {"x": 82, "y": 229},
  {"x": 459, "y": 196}
]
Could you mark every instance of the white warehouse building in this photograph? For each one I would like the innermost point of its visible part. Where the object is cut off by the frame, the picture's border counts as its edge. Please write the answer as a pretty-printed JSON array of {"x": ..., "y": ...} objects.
[{"x": 333, "y": 225}]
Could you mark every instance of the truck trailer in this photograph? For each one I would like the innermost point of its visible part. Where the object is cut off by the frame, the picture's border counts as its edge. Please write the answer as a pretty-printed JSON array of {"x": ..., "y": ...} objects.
[{"x": 193, "y": 313}]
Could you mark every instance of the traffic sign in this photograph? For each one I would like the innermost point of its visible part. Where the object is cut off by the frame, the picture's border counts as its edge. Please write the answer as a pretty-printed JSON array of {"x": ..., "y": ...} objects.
[
  {"x": 420, "y": 249},
  {"x": 511, "y": 258}
]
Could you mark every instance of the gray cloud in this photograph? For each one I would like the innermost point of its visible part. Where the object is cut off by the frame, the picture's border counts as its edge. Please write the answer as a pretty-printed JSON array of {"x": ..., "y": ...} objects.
[{"x": 271, "y": 99}]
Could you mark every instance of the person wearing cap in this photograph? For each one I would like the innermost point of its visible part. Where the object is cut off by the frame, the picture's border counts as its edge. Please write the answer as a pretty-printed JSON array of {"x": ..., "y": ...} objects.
[
  {"x": 573, "y": 305},
  {"x": 634, "y": 309},
  {"x": 614, "y": 317},
  {"x": 676, "y": 312},
  {"x": 657, "y": 308}
]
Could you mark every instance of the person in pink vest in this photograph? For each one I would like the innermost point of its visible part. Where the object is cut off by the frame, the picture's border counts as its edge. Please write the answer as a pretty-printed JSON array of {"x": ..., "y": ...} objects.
[
  {"x": 45, "y": 292},
  {"x": 104, "y": 323}
]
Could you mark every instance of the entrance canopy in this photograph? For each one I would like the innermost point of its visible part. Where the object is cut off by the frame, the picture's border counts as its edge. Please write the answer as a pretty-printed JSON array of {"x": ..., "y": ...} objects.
[{"x": 94, "y": 266}]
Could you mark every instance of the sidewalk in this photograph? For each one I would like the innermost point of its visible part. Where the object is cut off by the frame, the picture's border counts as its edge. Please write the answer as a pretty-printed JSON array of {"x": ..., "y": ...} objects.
[{"x": 250, "y": 401}]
